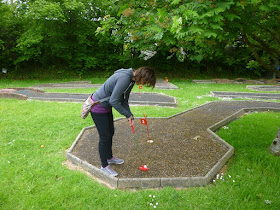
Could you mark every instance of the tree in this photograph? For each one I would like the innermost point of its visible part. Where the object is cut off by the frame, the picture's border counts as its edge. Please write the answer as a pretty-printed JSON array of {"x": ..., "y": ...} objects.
[
  {"x": 260, "y": 30},
  {"x": 10, "y": 29},
  {"x": 62, "y": 33},
  {"x": 199, "y": 29}
]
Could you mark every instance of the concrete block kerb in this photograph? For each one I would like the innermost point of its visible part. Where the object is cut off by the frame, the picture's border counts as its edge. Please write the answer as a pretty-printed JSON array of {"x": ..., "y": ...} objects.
[{"x": 158, "y": 182}]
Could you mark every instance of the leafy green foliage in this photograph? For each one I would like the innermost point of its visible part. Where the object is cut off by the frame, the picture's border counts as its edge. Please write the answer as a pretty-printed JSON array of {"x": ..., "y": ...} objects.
[
  {"x": 199, "y": 30},
  {"x": 260, "y": 31},
  {"x": 61, "y": 33},
  {"x": 82, "y": 36},
  {"x": 183, "y": 29},
  {"x": 10, "y": 29}
]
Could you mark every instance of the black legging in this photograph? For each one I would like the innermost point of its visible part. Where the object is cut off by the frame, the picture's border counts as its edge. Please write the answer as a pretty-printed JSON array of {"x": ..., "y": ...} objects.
[{"x": 105, "y": 127}]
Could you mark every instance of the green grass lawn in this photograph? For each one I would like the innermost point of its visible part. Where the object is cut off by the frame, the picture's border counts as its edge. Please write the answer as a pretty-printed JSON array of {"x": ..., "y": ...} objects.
[{"x": 35, "y": 177}]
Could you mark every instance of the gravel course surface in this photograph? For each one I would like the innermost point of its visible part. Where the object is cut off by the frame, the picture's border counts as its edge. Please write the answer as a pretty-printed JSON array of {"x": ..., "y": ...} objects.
[
  {"x": 160, "y": 84},
  {"x": 182, "y": 147},
  {"x": 264, "y": 87},
  {"x": 224, "y": 94},
  {"x": 135, "y": 98}
]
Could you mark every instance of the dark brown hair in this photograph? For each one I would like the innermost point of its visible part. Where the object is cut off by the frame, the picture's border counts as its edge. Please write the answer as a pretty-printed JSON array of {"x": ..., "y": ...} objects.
[{"x": 146, "y": 75}]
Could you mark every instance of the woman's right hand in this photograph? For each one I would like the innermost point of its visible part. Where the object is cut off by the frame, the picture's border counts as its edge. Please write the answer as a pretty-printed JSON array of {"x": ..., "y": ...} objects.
[{"x": 130, "y": 121}]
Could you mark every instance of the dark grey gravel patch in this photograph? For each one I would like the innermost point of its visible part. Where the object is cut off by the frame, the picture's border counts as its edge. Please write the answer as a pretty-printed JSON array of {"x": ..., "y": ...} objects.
[
  {"x": 186, "y": 152},
  {"x": 149, "y": 99},
  {"x": 204, "y": 81},
  {"x": 264, "y": 87},
  {"x": 67, "y": 85},
  {"x": 268, "y": 96},
  {"x": 160, "y": 84}
]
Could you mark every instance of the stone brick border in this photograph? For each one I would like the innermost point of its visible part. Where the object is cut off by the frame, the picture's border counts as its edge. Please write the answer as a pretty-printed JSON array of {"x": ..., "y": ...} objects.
[{"x": 178, "y": 182}]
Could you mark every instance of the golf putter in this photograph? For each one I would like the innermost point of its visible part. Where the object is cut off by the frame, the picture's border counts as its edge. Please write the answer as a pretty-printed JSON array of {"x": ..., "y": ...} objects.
[{"x": 143, "y": 167}]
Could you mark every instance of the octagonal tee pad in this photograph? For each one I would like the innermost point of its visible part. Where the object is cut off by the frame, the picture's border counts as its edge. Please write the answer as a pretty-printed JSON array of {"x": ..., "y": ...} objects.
[{"x": 185, "y": 151}]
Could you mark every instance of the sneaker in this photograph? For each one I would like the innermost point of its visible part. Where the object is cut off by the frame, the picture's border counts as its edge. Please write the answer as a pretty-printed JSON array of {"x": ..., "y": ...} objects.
[
  {"x": 109, "y": 170},
  {"x": 115, "y": 160}
]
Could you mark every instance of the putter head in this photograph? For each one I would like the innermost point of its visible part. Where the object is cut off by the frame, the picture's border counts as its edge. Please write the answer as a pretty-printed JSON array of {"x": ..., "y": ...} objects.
[{"x": 143, "y": 168}]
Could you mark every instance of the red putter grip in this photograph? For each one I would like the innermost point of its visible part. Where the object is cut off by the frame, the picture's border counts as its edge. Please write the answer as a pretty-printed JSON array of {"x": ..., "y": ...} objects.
[{"x": 133, "y": 131}]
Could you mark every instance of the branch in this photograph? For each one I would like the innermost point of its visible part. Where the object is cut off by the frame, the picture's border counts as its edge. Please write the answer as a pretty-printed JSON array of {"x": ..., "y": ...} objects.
[
  {"x": 266, "y": 47},
  {"x": 258, "y": 58},
  {"x": 273, "y": 34}
]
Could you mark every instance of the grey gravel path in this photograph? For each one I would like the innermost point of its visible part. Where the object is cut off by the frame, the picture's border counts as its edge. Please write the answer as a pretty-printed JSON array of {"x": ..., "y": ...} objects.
[
  {"x": 264, "y": 87},
  {"x": 175, "y": 151},
  {"x": 67, "y": 85},
  {"x": 151, "y": 99},
  {"x": 267, "y": 96},
  {"x": 160, "y": 84}
]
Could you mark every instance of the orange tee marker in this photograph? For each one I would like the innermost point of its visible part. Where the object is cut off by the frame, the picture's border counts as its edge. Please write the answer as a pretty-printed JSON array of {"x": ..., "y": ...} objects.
[{"x": 140, "y": 87}]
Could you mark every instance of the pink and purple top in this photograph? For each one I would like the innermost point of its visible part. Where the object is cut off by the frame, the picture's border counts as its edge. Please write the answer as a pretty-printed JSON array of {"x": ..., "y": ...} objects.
[{"x": 99, "y": 109}]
